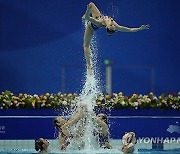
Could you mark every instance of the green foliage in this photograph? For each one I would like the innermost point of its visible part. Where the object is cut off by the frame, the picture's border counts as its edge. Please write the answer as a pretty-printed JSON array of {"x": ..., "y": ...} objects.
[{"x": 9, "y": 100}]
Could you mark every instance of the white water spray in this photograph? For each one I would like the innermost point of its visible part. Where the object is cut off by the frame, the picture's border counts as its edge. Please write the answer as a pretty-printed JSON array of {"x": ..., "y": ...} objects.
[{"x": 87, "y": 97}]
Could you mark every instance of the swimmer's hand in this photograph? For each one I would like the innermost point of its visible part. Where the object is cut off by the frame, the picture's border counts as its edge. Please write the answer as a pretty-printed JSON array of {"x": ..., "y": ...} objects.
[{"x": 145, "y": 27}]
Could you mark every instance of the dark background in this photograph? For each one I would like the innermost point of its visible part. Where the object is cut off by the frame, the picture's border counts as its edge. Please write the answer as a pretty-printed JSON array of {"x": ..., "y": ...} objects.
[{"x": 41, "y": 46}]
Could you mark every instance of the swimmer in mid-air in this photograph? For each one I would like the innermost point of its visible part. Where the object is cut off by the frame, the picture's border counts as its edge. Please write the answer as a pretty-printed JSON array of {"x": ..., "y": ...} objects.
[{"x": 96, "y": 21}]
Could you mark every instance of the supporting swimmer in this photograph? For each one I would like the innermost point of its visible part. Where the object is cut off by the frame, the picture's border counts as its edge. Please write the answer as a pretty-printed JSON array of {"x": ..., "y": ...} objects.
[
  {"x": 41, "y": 145},
  {"x": 65, "y": 134}
]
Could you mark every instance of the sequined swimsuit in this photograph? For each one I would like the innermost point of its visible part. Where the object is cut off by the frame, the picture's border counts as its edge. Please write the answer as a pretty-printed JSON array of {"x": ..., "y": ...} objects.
[{"x": 66, "y": 140}]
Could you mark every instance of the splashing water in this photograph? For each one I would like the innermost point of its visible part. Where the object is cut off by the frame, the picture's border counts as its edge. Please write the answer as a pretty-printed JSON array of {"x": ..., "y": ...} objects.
[
  {"x": 88, "y": 97},
  {"x": 113, "y": 10},
  {"x": 91, "y": 88}
]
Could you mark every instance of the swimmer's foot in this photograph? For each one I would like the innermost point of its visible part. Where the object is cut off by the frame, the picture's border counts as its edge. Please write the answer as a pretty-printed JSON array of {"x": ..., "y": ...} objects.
[
  {"x": 87, "y": 13},
  {"x": 89, "y": 70}
]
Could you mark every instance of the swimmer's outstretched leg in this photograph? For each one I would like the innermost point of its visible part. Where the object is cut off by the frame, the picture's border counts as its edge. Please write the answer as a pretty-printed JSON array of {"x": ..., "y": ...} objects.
[
  {"x": 88, "y": 34},
  {"x": 94, "y": 10}
]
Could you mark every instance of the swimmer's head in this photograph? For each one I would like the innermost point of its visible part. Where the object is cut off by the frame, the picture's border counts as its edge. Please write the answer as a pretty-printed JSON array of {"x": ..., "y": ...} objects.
[
  {"x": 129, "y": 137},
  {"x": 102, "y": 117},
  {"x": 41, "y": 145},
  {"x": 129, "y": 140},
  {"x": 58, "y": 122},
  {"x": 110, "y": 31}
]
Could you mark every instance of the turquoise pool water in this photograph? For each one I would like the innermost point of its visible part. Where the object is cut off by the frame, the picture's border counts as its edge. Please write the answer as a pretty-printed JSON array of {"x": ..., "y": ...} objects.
[{"x": 100, "y": 151}]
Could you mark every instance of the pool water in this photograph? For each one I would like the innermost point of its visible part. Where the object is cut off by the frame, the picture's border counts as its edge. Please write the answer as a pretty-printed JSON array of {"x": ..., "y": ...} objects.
[
  {"x": 27, "y": 147},
  {"x": 154, "y": 151},
  {"x": 100, "y": 151}
]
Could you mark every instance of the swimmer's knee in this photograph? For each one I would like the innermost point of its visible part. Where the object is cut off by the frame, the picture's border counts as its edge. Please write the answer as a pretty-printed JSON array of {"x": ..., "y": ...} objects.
[{"x": 91, "y": 4}]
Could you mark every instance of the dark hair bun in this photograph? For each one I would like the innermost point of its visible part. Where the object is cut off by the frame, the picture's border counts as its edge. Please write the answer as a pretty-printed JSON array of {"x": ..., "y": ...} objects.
[
  {"x": 110, "y": 32},
  {"x": 38, "y": 145},
  {"x": 56, "y": 123}
]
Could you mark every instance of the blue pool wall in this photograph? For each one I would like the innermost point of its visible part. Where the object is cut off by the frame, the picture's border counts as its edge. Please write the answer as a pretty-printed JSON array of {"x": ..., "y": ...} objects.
[
  {"x": 32, "y": 124},
  {"x": 41, "y": 40}
]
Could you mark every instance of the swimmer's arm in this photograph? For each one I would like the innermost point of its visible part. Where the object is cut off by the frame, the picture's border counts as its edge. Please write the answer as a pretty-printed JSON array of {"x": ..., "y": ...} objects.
[
  {"x": 66, "y": 131},
  {"x": 127, "y": 29},
  {"x": 61, "y": 140},
  {"x": 74, "y": 120}
]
